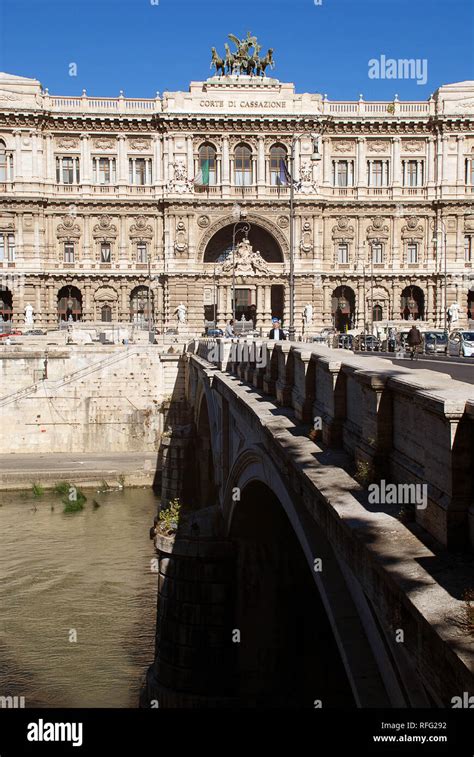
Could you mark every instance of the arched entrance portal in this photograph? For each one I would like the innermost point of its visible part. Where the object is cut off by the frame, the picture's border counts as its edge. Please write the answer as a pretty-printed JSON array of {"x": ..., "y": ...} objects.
[
  {"x": 141, "y": 305},
  {"x": 412, "y": 304},
  {"x": 470, "y": 305},
  {"x": 290, "y": 657},
  {"x": 220, "y": 245},
  {"x": 69, "y": 304},
  {"x": 343, "y": 308},
  {"x": 6, "y": 305}
]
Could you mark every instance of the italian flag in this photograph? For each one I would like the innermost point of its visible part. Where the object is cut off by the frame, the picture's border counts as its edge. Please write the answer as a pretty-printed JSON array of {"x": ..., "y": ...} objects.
[{"x": 202, "y": 176}]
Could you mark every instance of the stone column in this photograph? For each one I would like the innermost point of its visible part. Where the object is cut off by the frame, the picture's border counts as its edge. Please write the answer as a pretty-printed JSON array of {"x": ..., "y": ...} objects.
[
  {"x": 396, "y": 169},
  {"x": 361, "y": 162},
  {"x": 460, "y": 162},
  {"x": 165, "y": 160},
  {"x": 18, "y": 167},
  {"x": 326, "y": 161},
  {"x": 190, "y": 157},
  {"x": 221, "y": 306},
  {"x": 267, "y": 317},
  {"x": 260, "y": 312},
  {"x": 157, "y": 168},
  {"x": 124, "y": 305},
  {"x": 122, "y": 173},
  {"x": 87, "y": 308},
  {"x": 85, "y": 159},
  {"x": 225, "y": 163},
  {"x": 261, "y": 161},
  {"x": 430, "y": 169}
]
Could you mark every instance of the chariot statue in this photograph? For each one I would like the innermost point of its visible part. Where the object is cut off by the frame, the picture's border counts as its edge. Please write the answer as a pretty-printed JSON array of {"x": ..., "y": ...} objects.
[{"x": 245, "y": 59}]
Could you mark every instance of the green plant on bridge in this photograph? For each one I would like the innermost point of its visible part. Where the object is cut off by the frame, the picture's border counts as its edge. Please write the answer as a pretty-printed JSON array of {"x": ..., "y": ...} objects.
[
  {"x": 364, "y": 472},
  {"x": 169, "y": 517},
  {"x": 37, "y": 490}
]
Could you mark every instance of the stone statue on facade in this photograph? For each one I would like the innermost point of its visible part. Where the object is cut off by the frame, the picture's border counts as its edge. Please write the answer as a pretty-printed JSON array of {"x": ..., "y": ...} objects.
[
  {"x": 29, "y": 320},
  {"x": 242, "y": 60},
  {"x": 453, "y": 313},
  {"x": 308, "y": 315},
  {"x": 180, "y": 183},
  {"x": 248, "y": 261},
  {"x": 181, "y": 313}
]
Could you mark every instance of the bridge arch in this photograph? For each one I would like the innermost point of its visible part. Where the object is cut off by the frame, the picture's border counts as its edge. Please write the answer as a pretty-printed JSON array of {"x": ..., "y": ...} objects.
[{"x": 339, "y": 605}]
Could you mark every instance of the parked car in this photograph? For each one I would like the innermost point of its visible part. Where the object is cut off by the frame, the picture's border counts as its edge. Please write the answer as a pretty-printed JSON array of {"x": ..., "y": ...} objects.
[
  {"x": 367, "y": 343},
  {"x": 461, "y": 343},
  {"x": 14, "y": 332},
  {"x": 214, "y": 332},
  {"x": 35, "y": 332},
  {"x": 345, "y": 341},
  {"x": 435, "y": 342}
]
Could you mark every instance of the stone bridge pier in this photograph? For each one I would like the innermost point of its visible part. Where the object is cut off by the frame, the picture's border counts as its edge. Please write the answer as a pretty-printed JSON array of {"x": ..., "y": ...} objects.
[{"x": 288, "y": 584}]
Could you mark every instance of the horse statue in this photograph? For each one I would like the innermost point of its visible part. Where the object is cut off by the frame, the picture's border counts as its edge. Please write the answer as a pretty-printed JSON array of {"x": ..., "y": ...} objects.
[
  {"x": 264, "y": 62},
  {"x": 229, "y": 59},
  {"x": 218, "y": 62}
]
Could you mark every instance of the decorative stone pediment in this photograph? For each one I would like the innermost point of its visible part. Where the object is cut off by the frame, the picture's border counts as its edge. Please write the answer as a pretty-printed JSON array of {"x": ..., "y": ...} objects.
[
  {"x": 378, "y": 230},
  {"x": 248, "y": 262},
  {"x": 343, "y": 230},
  {"x": 141, "y": 230},
  {"x": 378, "y": 145},
  {"x": 343, "y": 145},
  {"x": 469, "y": 223},
  {"x": 105, "y": 229},
  {"x": 412, "y": 230},
  {"x": 105, "y": 294},
  {"x": 413, "y": 145},
  {"x": 67, "y": 143},
  {"x": 180, "y": 183},
  {"x": 68, "y": 229},
  {"x": 104, "y": 143}
]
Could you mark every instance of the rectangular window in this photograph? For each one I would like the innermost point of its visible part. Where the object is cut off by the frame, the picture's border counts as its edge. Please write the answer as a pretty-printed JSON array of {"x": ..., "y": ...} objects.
[
  {"x": 140, "y": 171},
  {"x": 3, "y": 166},
  {"x": 105, "y": 252},
  {"x": 413, "y": 175},
  {"x": 470, "y": 172},
  {"x": 104, "y": 170},
  {"x": 377, "y": 253},
  {"x": 142, "y": 255},
  {"x": 343, "y": 173},
  {"x": 69, "y": 252},
  {"x": 2, "y": 247},
  {"x": 343, "y": 253},
  {"x": 412, "y": 253},
  {"x": 378, "y": 173},
  {"x": 468, "y": 249},
  {"x": 11, "y": 247},
  {"x": 68, "y": 170}
]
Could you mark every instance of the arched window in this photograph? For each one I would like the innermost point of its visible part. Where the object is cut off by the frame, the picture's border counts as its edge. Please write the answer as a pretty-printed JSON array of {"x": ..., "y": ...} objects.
[
  {"x": 6, "y": 164},
  {"x": 243, "y": 166},
  {"x": 278, "y": 166},
  {"x": 377, "y": 313},
  {"x": 106, "y": 314},
  {"x": 207, "y": 166}
]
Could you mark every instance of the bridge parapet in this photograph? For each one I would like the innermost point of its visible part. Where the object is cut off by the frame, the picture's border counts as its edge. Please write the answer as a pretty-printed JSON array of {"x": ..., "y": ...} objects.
[{"x": 382, "y": 416}]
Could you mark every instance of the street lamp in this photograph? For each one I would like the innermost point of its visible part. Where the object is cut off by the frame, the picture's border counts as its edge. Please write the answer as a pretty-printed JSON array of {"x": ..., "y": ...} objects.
[
  {"x": 442, "y": 231},
  {"x": 239, "y": 214},
  {"x": 316, "y": 155}
]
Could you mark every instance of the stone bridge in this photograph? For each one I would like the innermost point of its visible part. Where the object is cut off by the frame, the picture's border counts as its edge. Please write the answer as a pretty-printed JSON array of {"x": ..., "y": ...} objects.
[{"x": 291, "y": 582}]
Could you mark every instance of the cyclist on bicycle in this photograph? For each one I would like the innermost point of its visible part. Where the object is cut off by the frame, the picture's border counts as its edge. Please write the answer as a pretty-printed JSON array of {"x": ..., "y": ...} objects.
[{"x": 414, "y": 339}]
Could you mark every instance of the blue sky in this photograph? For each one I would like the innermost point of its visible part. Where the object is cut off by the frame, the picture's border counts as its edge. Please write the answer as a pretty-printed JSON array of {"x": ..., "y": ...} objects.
[{"x": 141, "y": 46}]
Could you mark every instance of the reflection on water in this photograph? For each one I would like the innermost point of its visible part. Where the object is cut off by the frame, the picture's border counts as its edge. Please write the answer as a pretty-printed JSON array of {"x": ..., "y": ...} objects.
[{"x": 88, "y": 572}]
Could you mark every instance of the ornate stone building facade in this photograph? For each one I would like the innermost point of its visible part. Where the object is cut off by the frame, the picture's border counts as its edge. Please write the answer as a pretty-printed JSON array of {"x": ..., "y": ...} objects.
[{"x": 110, "y": 208}]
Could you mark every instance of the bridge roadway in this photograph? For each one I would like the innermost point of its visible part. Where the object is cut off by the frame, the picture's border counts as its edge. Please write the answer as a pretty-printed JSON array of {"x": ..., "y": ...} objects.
[
  {"x": 392, "y": 579},
  {"x": 461, "y": 369}
]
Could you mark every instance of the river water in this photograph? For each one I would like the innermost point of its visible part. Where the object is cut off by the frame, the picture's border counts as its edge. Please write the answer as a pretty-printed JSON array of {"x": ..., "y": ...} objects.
[{"x": 77, "y": 598}]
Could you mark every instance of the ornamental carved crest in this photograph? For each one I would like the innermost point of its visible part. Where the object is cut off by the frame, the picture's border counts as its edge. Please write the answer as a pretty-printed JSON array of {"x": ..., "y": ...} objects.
[
  {"x": 104, "y": 143},
  {"x": 203, "y": 222},
  {"x": 343, "y": 145},
  {"x": 342, "y": 230},
  {"x": 306, "y": 244},
  {"x": 414, "y": 145},
  {"x": 180, "y": 183},
  {"x": 248, "y": 261},
  {"x": 306, "y": 185},
  {"x": 105, "y": 229},
  {"x": 378, "y": 230},
  {"x": 141, "y": 230},
  {"x": 140, "y": 144},
  {"x": 67, "y": 143},
  {"x": 181, "y": 239},
  {"x": 412, "y": 230},
  {"x": 68, "y": 229},
  {"x": 377, "y": 145}
]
